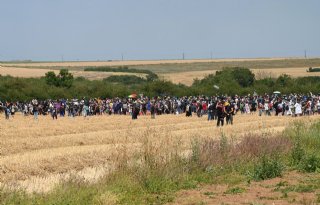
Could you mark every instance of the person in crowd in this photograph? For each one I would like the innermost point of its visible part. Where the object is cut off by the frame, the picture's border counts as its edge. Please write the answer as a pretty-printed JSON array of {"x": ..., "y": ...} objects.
[
  {"x": 220, "y": 113},
  {"x": 261, "y": 108},
  {"x": 35, "y": 110},
  {"x": 7, "y": 112},
  {"x": 53, "y": 109},
  {"x": 199, "y": 109},
  {"x": 229, "y": 111},
  {"x": 214, "y": 109},
  {"x": 287, "y": 105},
  {"x": 210, "y": 112},
  {"x": 298, "y": 108},
  {"x": 278, "y": 106},
  {"x": 188, "y": 110},
  {"x": 152, "y": 110},
  {"x": 13, "y": 108},
  {"x": 135, "y": 111}
]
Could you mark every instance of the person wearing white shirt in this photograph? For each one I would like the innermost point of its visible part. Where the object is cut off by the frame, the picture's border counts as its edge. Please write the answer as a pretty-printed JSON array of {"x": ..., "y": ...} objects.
[
  {"x": 298, "y": 109},
  {"x": 318, "y": 106}
]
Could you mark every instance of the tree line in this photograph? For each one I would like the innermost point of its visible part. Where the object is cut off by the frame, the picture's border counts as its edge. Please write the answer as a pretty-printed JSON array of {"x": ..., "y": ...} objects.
[{"x": 230, "y": 81}]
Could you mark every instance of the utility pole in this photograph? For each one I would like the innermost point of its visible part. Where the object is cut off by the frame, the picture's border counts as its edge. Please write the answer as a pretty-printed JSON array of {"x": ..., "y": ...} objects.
[
  {"x": 62, "y": 58},
  {"x": 122, "y": 56},
  {"x": 211, "y": 55},
  {"x": 183, "y": 56},
  {"x": 305, "y": 54}
]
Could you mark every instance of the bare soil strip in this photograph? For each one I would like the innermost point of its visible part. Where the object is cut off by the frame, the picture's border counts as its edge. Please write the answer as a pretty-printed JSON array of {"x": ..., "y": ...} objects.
[{"x": 264, "y": 192}]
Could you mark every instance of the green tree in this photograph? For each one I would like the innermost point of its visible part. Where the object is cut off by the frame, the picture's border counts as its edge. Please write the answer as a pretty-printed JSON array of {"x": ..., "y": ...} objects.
[
  {"x": 243, "y": 76},
  {"x": 284, "y": 80},
  {"x": 63, "y": 79},
  {"x": 51, "y": 78}
]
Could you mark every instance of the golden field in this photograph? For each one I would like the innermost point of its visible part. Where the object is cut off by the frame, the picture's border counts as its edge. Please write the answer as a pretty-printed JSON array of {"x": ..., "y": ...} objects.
[
  {"x": 185, "y": 77},
  {"x": 177, "y": 71},
  {"x": 188, "y": 76},
  {"x": 37, "y": 155},
  {"x": 138, "y": 62},
  {"x": 40, "y": 72}
]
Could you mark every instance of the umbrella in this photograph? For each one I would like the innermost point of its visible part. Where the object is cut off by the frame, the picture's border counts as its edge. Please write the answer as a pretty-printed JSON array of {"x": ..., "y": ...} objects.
[
  {"x": 276, "y": 92},
  {"x": 132, "y": 95},
  {"x": 216, "y": 87}
]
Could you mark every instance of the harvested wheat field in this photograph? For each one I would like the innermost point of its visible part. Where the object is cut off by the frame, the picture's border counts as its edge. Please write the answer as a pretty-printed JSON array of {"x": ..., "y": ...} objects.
[
  {"x": 138, "y": 62},
  {"x": 40, "y": 72},
  {"x": 188, "y": 76},
  {"x": 185, "y": 77},
  {"x": 177, "y": 71},
  {"x": 37, "y": 155},
  {"x": 25, "y": 72}
]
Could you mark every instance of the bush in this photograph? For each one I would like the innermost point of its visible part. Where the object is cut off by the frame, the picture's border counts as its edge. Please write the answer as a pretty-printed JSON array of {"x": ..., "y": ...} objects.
[
  {"x": 64, "y": 79},
  {"x": 125, "y": 79},
  {"x": 284, "y": 80},
  {"x": 51, "y": 78},
  {"x": 243, "y": 76},
  {"x": 151, "y": 76},
  {"x": 234, "y": 80},
  {"x": 309, "y": 163},
  {"x": 267, "y": 168},
  {"x": 297, "y": 154}
]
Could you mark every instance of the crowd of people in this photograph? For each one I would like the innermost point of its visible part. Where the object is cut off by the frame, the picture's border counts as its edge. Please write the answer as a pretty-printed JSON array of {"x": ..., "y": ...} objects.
[{"x": 219, "y": 108}]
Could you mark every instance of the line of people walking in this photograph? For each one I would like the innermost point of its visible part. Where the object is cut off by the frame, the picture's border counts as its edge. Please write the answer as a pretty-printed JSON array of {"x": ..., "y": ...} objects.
[{"x": 220, "y": 108}]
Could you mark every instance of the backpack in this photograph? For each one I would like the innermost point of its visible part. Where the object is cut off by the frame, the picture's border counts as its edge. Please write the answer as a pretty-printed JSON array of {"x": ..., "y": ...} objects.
[{"x": 287, "y": 107}]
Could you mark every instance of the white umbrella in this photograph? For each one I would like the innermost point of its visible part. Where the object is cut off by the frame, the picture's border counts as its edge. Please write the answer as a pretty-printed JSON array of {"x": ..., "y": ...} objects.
[
  {"x": 216, "y": 87},
  {"x": 276, "y": 92}
]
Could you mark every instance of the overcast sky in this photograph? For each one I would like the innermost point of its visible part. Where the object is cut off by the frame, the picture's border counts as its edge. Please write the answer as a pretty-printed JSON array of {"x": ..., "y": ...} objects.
[{"x": 157, "y": 29}]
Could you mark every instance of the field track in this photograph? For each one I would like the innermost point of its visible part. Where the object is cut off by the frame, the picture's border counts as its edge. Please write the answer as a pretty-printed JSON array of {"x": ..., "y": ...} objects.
[{"x": 36, "y": 155}]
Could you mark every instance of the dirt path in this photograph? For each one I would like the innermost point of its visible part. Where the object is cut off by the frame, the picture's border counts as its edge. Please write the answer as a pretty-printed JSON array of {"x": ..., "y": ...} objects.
[{"x": 293, "y": 188}]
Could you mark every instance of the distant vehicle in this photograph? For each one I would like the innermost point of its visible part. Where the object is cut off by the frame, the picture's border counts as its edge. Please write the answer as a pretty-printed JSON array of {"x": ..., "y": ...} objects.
[{"x": 313, "y": 69}]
